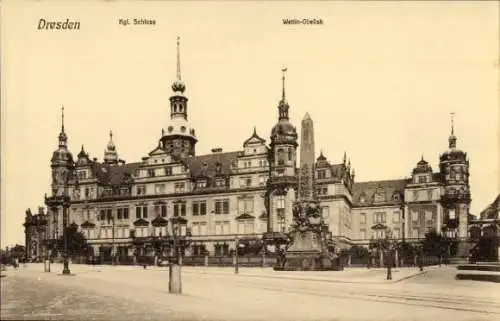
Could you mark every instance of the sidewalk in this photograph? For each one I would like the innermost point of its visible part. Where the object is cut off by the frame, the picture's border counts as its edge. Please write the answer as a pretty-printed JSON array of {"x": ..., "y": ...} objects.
[{"x": 349, "y": 275}]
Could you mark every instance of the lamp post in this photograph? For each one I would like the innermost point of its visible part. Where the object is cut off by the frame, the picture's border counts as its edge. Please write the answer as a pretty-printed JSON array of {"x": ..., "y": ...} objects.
[
  {"x": 174, "y": 281},
  {"x": 65, "y": 207},
  {"x": 390, "y": 250},
  {"x": 236, "y": 263}
]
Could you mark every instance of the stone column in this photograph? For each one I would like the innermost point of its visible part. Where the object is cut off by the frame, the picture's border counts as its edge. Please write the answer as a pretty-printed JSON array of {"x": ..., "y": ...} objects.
[
  {"x": 174, "y": 282},
  {"x": 396, "y": 257},
  {"x": 206, "y": 260}
]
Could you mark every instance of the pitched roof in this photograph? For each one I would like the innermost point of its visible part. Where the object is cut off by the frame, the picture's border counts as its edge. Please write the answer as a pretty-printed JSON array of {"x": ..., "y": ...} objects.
[
  {"x": 254, "y": 139},
  {"x": 114, "y": 174},
  {"x": 492, "y": 211},
  {"x": 387, "y": 188},
  {"x": 205, "y": 165}
]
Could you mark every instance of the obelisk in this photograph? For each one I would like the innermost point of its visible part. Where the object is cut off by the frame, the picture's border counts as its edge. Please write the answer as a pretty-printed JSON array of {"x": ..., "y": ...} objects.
[{"x": 306, "y": 174}]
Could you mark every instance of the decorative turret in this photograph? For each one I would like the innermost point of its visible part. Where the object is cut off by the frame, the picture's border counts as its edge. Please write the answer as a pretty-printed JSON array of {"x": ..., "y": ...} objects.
[
  {"x": 178, "y": 138},
  {"x": 83, "y": 157},
  {"x": 110, "y": 154},
  {"x": 62, "y": 163}
]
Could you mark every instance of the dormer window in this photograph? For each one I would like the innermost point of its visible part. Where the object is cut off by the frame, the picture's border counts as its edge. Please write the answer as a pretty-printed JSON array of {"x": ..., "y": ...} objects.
[
  {"x": 183, "y": 128},
  {"x": 201, "y": 184},
  {"x": 395, "y": 197},
  {"x": 321, "y": 174},
  {"x": 82, "y": 175},
  {"x": 220, "y": 182},
  {"x": 379, "y": 198},
  {"x": 422, "y": 179}
]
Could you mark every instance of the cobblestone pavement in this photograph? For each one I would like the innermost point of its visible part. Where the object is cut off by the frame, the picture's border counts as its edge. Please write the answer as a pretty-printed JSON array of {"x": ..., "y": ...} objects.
[{"x": 128, "y": 293}]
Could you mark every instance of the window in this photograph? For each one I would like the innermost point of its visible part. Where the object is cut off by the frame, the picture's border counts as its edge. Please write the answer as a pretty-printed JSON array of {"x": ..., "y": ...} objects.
[
  {"x": 415, "y": 233},
  {"x": 119, "y": 214},
  {"x": 395, "y": 217},
  {"x": 362, "y": 218},
  {"x": 180, "y": 209},
  {"x": 379, "y": 234},
  {"x": 280, "y": 201},
  {"x": 141, "y": 190},
  {"x": 290, "y": 154},
  {"x": 415, "y": 195},
  {"x": 220, "y": 182},
  {"x": 321, "y": 174},
  {"x": 151, "y": 172},
  {"x": 82, "y": 175},
  {"x": 179, "y": 187},
  {"x": 141, "y": 209},
  {"x": 201, "y": 184},
  {"x": 246, "y": 181},
  {"x": 429, "y": 194},
  {"x": 325, "y": 212},
  {"x": 428, "y": 216},
  {"x": 396, "y": 233},
  {"x": 222, "y": 206},
  {"x": 414, "y": 216},
  {"x": 160, "y": 189},
  {"x": 262, "y": 180},
  {"x": 102, "y": 216},
  {"x": 362, "y": 234},
  {"x": 87, "y": 193},
  {"x": 422, "y": 179},
  {"x": 124, "y": 191},
  {"x": 379, "y": 217},
  {"x": 218, "y": 228},
  {"x": 199, "y": 208},
  {"x": 245, "y": 205},
  {"x": 164, "y": 210},
  {"x": 109, "y": 215}
]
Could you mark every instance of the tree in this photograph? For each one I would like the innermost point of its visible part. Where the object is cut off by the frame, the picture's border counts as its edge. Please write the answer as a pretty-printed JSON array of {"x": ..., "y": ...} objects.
[
  {"x": 77, "y": 243},
  {"x": 435, "y": 244}
]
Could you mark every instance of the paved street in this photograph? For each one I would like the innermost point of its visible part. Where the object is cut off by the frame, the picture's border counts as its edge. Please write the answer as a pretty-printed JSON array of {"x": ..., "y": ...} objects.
[{"x": 131, "y": 293}]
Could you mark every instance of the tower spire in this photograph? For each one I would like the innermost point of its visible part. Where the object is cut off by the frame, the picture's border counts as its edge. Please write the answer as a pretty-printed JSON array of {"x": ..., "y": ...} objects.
[
  {"x": 283, "y": 80},
  {"x": 62, "y": 118},
  {"x": 178, "y": 59},
  {"x": 452, "y": 140},
  {"x": 178, "y": 85}
]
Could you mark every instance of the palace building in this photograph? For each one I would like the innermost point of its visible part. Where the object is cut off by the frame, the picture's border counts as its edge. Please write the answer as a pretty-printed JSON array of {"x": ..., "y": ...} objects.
[{"x": 247, "y": 192}]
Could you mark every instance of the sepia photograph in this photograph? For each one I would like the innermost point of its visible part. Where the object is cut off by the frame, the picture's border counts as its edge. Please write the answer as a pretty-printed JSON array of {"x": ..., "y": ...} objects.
[{"x": 250, "y": 160}]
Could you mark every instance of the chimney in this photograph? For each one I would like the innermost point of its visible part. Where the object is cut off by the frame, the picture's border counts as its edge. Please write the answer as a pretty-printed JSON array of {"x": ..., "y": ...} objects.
[
  {"x": 216, "y": 150},
  {"x": 41, "y": 210}
]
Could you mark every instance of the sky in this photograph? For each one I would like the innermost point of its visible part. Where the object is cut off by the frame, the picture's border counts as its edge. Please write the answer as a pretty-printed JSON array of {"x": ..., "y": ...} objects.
[{"x": 379, "y": 80}]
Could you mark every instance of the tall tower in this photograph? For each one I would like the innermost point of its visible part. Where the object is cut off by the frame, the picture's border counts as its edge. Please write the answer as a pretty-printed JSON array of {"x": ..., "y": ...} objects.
[
  {"x": 179, "y": 138},
  {"x": 282, "y": 183},
  {"x": 456, "y": 199},
  {"x": 61, "y": 163},
  {"x": 306, "y": 175}
]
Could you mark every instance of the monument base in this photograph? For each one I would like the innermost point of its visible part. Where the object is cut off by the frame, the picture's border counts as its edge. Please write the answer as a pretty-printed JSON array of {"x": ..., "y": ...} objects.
[
  {"x": 307, "y": 261},
  {"x": 307, "y": 253}
]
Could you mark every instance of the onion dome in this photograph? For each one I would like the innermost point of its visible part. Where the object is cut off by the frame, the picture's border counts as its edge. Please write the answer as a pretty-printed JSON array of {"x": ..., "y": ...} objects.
[{"x": 422, "y": 167}]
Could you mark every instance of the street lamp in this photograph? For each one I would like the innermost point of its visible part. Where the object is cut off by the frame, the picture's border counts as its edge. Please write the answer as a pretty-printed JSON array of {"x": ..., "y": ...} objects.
[
  {"x": 236, "y": 263},
  {"x": 390, "y": 252},
  {"x": 174, "y": 281}
]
